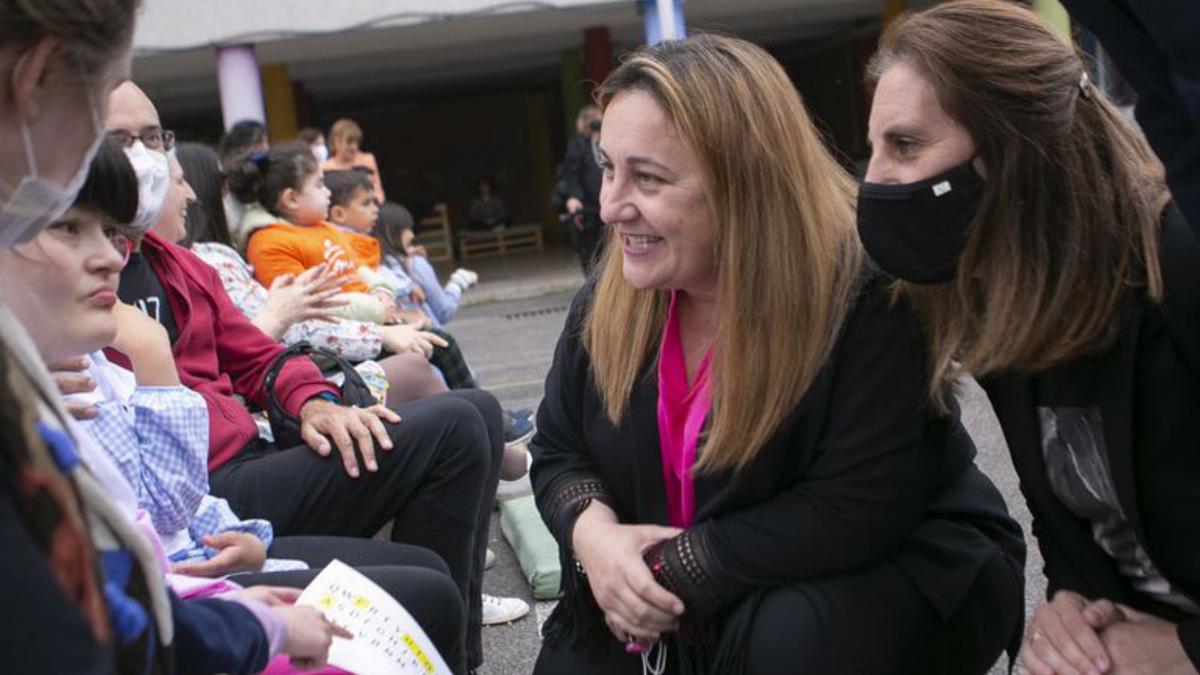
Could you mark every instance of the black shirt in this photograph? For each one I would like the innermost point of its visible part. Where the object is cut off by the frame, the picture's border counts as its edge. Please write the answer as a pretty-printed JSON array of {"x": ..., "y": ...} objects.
[{"x": 141, "y": 288}]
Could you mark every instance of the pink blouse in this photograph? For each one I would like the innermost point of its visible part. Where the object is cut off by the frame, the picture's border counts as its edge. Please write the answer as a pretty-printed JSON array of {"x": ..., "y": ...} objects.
[{"x": 681, "y": 414}]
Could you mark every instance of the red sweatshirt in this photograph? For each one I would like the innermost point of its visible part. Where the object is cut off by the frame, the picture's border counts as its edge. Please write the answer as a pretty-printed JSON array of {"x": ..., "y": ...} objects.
[{"x": 219, "y": 353}]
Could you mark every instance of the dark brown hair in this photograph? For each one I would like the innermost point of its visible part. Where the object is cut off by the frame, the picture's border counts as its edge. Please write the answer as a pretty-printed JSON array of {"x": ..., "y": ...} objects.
[
  {"x": 91, "y": 30},
  {"x": 1068, "y": 223},
  {"x": 111, "y": 187},
  {"x": 310, "y": 135},
  {"x": 344, "y": 184},
  {"x": 262, "y": 177},
  {"x": 205, "y": 216},
  {"x": 393, "y": 220}
]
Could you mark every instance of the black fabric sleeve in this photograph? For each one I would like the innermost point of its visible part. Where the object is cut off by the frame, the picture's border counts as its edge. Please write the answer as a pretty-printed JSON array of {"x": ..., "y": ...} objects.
[
  {"x": 217, "y": 636},
  {"x": 1056, "y": 567},
  {"x": 871, "y": 480},
  {"x": 565, "y": 478},
  {"x": 42, "y": 631},
  {"x": 572, "y": 168},
  {"x": 1189, "y": 635}
]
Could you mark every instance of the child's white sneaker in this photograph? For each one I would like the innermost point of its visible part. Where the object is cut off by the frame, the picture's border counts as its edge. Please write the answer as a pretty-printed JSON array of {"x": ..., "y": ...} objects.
[
  {"x": 464, "y": 278},
  {"x": 497, "y": 610}
]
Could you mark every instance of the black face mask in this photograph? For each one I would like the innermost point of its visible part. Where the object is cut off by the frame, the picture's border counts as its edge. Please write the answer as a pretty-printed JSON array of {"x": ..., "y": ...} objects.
[
  {"x": 917, "y": 231},
  {"x": 594, "y": 125}
]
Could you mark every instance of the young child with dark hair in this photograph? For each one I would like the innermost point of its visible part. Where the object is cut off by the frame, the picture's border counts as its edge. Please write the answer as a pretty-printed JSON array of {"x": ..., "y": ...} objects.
[
  {"x": 353, "y": 208},
  {"x": 287, "y": 231},
  {"x": 402, "y": 257}
]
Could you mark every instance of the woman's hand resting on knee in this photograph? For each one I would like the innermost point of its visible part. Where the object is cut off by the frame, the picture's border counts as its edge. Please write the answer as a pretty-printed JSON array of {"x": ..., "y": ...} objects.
[
  {"x": 1071, "y": 634},
  {"x": 1062, "y": 637},
  {"x": 634, "y": 605}
]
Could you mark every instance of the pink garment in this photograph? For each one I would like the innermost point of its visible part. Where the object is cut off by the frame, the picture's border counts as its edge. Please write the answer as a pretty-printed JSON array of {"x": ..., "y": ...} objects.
[
  {"x": 681, "y": 414},
  {"x": 282, "y": 665},
  {"x": 142, "y": 520}
]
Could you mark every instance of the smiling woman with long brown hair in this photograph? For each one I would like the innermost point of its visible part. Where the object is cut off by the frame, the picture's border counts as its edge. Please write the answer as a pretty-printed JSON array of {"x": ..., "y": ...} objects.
[
  {"x": 1031, "y": 226},
  {"x": 735, "y": 451}
]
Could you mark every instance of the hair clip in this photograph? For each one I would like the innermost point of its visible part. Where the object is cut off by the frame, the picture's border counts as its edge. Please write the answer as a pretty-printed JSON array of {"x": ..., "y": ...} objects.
[
  {"x": 260, "y": 158},
  {"x": 1084, "y": 81}
]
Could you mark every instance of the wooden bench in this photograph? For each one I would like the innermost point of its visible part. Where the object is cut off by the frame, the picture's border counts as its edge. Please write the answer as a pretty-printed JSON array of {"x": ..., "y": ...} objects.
[
  {"x": 518, "y": 239},
  {"x": 434, "y": 233}
]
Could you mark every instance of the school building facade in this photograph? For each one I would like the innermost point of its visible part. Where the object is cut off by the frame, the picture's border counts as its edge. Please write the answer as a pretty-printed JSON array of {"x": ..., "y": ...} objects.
[{"x": 449, "y": 91}]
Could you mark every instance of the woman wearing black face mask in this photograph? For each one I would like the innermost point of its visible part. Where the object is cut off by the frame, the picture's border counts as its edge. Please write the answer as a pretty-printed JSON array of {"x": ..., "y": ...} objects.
[{"x": 1030, "y": 225}]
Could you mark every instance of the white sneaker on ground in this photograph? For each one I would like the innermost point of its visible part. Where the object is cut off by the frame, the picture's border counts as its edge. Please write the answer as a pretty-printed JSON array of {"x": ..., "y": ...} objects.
[
  {"x": 464, "y": 278},
  {"x": 489, "y": 560},
  {"x": 497, "y": 610}
]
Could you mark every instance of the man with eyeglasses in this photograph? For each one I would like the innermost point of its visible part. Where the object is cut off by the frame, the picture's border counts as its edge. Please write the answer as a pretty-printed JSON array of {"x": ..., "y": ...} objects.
[{"x": 153, "y": 137}]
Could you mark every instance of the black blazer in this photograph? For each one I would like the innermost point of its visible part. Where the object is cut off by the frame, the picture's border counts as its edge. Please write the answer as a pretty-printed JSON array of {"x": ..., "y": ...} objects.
[
  {"x": 1153, "y": 43},
  {"x": 581, "y": 176},
  {"x": 859, "y": 473},
  {"x": 1145, "y": 387}
]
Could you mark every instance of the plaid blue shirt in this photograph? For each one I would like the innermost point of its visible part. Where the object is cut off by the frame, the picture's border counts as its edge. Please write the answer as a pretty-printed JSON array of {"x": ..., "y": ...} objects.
[{"x": 158, "y": 437}]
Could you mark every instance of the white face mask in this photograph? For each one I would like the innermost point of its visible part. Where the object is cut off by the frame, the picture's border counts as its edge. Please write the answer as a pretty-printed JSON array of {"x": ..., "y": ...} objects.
[
  {"x": 37, "y": 201},
  {"x": 153, "y": 171},
  {"x": 321, "y": 152}
]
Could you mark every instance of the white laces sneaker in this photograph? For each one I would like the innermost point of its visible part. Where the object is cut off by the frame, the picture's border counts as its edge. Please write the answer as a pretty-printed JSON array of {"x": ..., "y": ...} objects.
[
  {"x": 497, "y": 610},
  {"x": 464, "y": 277}
]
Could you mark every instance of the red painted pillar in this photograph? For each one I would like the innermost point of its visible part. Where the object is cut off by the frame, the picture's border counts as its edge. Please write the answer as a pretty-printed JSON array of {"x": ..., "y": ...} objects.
[{"x": 597, "y": 55}]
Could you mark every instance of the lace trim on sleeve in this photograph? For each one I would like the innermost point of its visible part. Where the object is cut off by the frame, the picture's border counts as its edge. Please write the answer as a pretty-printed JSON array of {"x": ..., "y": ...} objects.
[
  {"x": 686, "y": 567},
  {"x": 567, "y": 497}
]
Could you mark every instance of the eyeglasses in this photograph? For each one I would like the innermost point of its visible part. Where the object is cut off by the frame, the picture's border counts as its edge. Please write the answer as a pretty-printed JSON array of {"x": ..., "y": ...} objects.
[{"x": 154, "y": 138}]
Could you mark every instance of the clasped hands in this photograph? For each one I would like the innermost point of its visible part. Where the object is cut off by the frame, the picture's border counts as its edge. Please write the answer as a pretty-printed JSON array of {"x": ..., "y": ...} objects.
[
  {"x": 1071, "y": 636},
  {"x": 635, "y": 606}
]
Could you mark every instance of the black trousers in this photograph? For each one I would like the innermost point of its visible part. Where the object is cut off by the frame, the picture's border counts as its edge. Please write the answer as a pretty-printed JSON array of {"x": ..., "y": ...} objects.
[
  {"x": 436, "y": 486},
  {"x": 589, "y": 242},
  {"x": 417, "y": 578},
  {"x": 452, "y": 363},
  {"x": 872, "y": 622}
]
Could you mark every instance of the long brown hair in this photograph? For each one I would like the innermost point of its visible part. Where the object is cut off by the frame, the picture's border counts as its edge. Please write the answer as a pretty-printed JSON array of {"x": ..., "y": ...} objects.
[
  {"x": 785, "y": 243},
  {"x": 1069, "y": 217},
  {"x": 92, "y": 31}
]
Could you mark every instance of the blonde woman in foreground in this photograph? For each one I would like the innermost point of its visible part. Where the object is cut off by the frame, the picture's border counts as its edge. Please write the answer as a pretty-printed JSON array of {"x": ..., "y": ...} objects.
[{"x": 736, "y": 452}]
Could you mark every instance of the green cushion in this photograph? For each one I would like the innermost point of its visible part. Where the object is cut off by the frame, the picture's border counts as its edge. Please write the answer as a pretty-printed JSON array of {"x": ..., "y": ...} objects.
[{"x": 535, "y": 546}]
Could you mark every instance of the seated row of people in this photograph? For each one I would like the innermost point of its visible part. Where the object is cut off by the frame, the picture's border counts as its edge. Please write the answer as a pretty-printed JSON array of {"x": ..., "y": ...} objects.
[
  {"x": 349, "y": 263},
  {"x": 432, "y": 477},
  {"x": 155, "y": 432}
]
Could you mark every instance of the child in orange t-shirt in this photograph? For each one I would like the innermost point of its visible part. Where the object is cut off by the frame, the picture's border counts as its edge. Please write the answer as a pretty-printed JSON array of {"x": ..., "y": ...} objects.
[{"x": 287, "y": 232}]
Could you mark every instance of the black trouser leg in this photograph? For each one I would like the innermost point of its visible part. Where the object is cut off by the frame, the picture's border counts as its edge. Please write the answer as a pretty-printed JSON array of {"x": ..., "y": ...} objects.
[
  {"x": 488, "y": 410},
  {"x": 452, "y": 363},
  {"x": 435, "y": 486}
]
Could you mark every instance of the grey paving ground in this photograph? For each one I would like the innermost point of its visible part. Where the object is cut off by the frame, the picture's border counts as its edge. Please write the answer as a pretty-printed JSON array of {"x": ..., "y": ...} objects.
[{"x": 510, "y": 345}]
